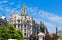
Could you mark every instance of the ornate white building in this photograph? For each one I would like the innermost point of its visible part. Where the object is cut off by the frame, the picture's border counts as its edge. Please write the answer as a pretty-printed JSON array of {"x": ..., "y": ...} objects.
[{"x": 22, "y": 22}]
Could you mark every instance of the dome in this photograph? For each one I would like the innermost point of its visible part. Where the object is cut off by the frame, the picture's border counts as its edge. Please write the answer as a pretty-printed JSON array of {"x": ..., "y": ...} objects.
[{"x": 3, "y": 17}]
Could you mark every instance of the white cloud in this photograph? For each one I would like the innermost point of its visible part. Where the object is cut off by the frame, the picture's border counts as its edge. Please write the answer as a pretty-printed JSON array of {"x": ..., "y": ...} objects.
[
  {"x": 5, "y": 1},
  {"x": 51, "y": 27},
  {"x": 49, "y": 19},
  {"x": 52, "y": 17},
  {"x": 57, "y": 19}
]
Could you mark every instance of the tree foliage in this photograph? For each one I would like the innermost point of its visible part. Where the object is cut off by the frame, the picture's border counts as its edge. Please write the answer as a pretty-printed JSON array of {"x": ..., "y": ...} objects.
[{"x": 9, "y": 32}]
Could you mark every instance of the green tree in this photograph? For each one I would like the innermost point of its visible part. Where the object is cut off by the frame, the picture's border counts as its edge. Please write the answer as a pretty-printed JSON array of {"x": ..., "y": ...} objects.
[
  {"x": 9, "y": 32},
  {"x": 3, "y": 35}
]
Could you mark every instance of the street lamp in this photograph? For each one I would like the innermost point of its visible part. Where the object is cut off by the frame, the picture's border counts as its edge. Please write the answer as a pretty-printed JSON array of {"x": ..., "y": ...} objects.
[{"x": 56, "y": 33}]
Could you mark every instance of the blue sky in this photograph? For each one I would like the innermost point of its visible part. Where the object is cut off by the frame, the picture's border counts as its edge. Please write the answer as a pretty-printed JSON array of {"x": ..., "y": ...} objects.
[{"x": 47, "y": 11}]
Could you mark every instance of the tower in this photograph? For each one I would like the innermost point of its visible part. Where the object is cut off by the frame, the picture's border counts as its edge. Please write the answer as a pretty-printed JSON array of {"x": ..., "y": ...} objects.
[{"x": 24, "y": 13}]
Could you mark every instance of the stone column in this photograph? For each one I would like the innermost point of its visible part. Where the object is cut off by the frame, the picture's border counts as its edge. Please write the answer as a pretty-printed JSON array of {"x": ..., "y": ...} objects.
[{"x": 41, "y": 35}]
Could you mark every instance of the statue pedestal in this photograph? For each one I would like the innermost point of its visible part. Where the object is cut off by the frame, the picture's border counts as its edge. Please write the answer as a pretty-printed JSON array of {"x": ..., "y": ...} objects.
[
  {"x": 12, "y": 39},
  {"x": 41, "y": 35}
]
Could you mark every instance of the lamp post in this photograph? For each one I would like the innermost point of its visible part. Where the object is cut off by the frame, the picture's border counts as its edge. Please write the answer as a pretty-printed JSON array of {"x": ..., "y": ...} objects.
[{"x": 56, "y": 33}]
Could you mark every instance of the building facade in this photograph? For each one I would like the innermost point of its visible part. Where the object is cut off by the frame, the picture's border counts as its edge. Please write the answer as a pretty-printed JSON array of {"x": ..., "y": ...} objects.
[
  {"x": 60, "y": 34},
  {"x": 22, "y": 22},
  {"x": 3, "y": 21}
]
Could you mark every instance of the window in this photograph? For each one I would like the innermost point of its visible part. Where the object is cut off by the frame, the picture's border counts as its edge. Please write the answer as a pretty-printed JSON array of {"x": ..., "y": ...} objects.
[
  {"x": 25, "y": 34},
  {"x": 18, "y": 21},
  {"x": 24, "y": 30},
  {"x": 21, "y": 20},
  {"x": 25, "y": 26},
  {"x": 18, "y": 26}
]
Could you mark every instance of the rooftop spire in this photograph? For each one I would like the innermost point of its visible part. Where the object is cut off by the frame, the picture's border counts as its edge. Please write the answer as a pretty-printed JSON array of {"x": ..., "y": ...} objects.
[{"x": 24, "y": 11}]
